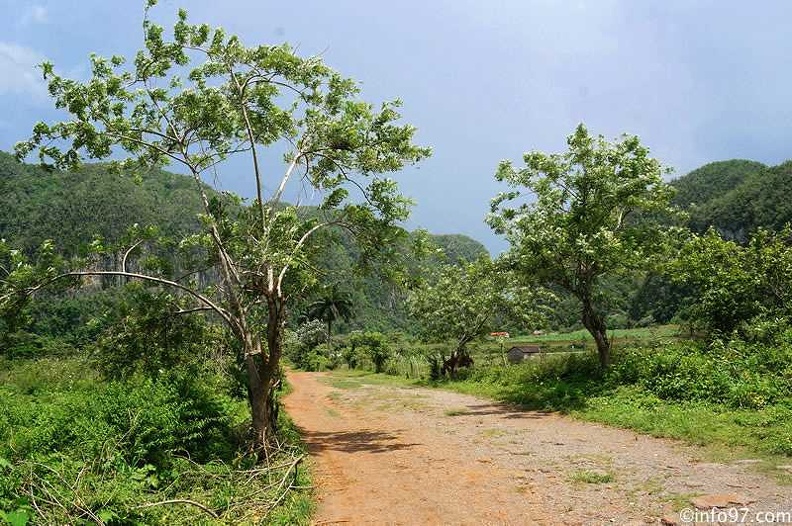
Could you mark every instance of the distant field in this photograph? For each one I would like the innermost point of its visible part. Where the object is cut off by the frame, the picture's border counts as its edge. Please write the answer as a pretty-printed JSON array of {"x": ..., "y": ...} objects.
[
  {"x": 490, "y": 351},
  {"x": 642, "y": 334}
]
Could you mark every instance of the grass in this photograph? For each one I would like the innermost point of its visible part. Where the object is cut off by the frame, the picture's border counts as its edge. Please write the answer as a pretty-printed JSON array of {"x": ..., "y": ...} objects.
[
  {"x": 493, "y": 433},
  {"x": 639, "y": 334},
  {"x": 456, "y": 412},
  {"x": 355, "y": 378},
  {"x": 589, "y": 476}
]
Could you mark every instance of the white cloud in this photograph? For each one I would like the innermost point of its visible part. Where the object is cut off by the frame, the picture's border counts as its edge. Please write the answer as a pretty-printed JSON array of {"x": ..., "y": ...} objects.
[{"x": 18, "y": 71}]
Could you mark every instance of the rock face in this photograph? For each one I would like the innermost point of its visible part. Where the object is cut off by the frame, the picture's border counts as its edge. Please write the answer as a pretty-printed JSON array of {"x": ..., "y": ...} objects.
[{"x": 722, "y": 500}]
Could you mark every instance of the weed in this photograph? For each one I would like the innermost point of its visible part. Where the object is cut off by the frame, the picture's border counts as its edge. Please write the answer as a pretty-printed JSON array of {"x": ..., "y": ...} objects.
[{"x": 589, "y": 476}]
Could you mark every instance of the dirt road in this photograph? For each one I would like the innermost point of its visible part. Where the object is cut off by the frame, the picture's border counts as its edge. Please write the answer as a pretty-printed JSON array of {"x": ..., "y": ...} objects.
[{"x": 384, "y": 454}]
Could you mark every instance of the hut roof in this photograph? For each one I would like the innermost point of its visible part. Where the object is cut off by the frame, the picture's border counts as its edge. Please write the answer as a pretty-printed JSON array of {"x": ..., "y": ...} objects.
[{"x": 526, "y": 349}]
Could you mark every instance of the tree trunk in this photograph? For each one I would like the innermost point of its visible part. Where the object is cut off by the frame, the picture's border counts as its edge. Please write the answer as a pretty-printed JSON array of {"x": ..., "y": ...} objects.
[
  {"x": 263, "y": 371},
  {"x": 329, "y": 328},
  {"x": 259, "y": 395},
  {"x": 595, "y": 324}
]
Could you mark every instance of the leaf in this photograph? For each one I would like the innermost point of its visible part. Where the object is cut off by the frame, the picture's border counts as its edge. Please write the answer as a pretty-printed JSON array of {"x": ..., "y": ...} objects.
[
  {"x": 106, "y": 515},
  {"x": 17, "y": 518}
]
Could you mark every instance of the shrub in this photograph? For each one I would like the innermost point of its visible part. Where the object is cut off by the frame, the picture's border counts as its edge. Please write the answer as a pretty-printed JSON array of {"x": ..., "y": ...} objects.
[
  {"x": 373, "y": 345},
  {"x": 736, "y": 373},
  {"x": 149, "y": 337},
  {"x": 300, "y": 346},
  {"x": 107, "y": 447}
]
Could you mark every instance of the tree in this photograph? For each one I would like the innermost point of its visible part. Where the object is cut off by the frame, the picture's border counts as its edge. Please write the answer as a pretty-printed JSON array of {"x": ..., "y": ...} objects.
[
  {"x": 584, "y": 224},
  {"x": 331, "y": 306},
  {"x": 464, "y": 302},
  {"x": 372, "y": 344},
  {"x": 731, "y": 286},
  {"x": 202, "y": 98}
]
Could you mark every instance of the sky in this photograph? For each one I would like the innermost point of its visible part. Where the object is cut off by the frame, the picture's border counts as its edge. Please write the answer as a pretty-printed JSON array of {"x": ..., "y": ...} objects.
[{"x": 482, "y": 80}]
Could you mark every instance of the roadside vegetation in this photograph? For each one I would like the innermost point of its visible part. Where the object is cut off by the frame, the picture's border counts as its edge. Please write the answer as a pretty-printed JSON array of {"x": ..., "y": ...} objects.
[{"x": 76, "y": 448}]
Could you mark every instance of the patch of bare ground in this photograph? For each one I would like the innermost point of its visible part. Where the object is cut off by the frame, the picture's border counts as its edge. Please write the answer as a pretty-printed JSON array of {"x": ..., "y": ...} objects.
[{"x": 385, "y": 454}]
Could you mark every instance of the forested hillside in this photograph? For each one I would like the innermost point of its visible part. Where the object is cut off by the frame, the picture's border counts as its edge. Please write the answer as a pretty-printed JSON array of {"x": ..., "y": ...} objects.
[
  {"x": 71, "y": 208},
  {"x": 74, "y": 208},
  {"x": 736, "y": 197}
]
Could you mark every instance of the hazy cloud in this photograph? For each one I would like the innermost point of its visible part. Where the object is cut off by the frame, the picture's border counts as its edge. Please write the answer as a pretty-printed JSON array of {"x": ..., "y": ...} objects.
[
  {"x": 35, "y": 14},
  {"x": 18, "y": 72}
]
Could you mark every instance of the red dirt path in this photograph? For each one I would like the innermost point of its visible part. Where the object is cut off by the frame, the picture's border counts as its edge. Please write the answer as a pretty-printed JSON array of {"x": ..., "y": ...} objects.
[{"x": 384, "y": 454}]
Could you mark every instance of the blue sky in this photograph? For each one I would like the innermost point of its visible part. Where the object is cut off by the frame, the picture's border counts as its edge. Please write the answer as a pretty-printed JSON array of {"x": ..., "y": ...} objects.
[{"x": 483, "y": 80}]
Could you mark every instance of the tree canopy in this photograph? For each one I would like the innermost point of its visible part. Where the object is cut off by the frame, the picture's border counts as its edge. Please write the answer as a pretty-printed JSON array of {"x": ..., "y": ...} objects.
[
  {"x": 460, "y": 303},
  {"x": 203, "y": 97},
  {"x": 582, "y": 224}
]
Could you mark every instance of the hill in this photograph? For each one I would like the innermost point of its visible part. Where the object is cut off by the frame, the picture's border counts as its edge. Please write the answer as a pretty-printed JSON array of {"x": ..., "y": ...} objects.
[
  {"x": 72, "y": 208},
  {"x": 712, "y": 181},
  {"x": 736, "y": 197}
]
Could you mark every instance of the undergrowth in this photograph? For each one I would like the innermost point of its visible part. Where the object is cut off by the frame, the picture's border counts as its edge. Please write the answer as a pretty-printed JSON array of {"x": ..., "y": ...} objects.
[{"x": 78, "y": 449}]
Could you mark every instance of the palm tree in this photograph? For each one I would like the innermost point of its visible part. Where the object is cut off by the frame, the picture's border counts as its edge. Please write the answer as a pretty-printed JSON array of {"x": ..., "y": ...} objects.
[{"x": 331, "y": 306}]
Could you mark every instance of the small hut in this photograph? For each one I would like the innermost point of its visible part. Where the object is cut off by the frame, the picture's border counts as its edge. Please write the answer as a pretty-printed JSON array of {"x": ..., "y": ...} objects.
[{"x": 520, "y": 353}]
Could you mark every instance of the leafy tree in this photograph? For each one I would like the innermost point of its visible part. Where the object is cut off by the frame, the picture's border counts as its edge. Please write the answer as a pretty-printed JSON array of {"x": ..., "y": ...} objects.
[
  {"x": 372, "y": 344},
  {"x": 583, "y": 224},
  {"x": 333, "y": 305},
  {"x": 731, "y": 285},
  {"x": 198, "y": 100},
  {"x": 18, "y": 275},
  {"x": 302, "y": 343},
  {"x": 465, "y": 302}
]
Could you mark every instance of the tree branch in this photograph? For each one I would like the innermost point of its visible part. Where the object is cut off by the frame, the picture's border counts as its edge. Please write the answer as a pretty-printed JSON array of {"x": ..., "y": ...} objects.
[
  {"x": 162, "y": 281},
  {"x": 180, "y": 501}
]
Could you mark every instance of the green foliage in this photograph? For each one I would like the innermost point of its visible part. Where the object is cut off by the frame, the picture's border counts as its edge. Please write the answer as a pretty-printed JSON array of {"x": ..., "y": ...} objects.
[
  {"x": 20, "y": 277},
  {"x": 373, "y": 345},
  {"x": 332, "y": 305},
  {"x": 735, "y": 287},
  {"x": 301, "y": 346},
  {"x": 408, "y": 359},
  {"x": 459, "y": 249},
  {"x": 712, "y": 181},
  {"x": 201, "y": 97},
  {"x": 149, "y": 420},
  {"x": 584, "y": 224},
  {"x": 461, "y": 303},
  {"x": 73, "y": 208},
  {"x": 149, "y": 336},
  {"x": 82, "y": 448},
  {"x": 737, "y": 198}
]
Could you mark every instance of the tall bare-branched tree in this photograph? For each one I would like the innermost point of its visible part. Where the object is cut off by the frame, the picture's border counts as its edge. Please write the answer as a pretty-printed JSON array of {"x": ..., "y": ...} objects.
[{"x": 201, "y": 98}]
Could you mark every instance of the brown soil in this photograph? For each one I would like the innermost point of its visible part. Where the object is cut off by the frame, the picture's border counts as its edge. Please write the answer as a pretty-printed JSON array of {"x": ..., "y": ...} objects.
[{"x": 392, "y": 455}]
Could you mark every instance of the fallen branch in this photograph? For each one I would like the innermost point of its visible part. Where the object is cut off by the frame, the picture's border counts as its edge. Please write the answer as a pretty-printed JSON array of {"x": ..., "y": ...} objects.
[
  {"x": 283, "y": 486},
  {"x": 180, "y": 501}
]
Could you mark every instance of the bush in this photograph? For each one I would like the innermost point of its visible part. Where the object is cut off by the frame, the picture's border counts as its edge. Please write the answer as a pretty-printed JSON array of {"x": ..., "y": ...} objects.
[
  {"x": 83, "y": 446},
  {"x": 300, "y": 346},
  {"x": 149, "y": 337},
  {"x": 138, "y": 421},
  {"x": 373, "y": 345},
  {"x": 734, "y": 373}
]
